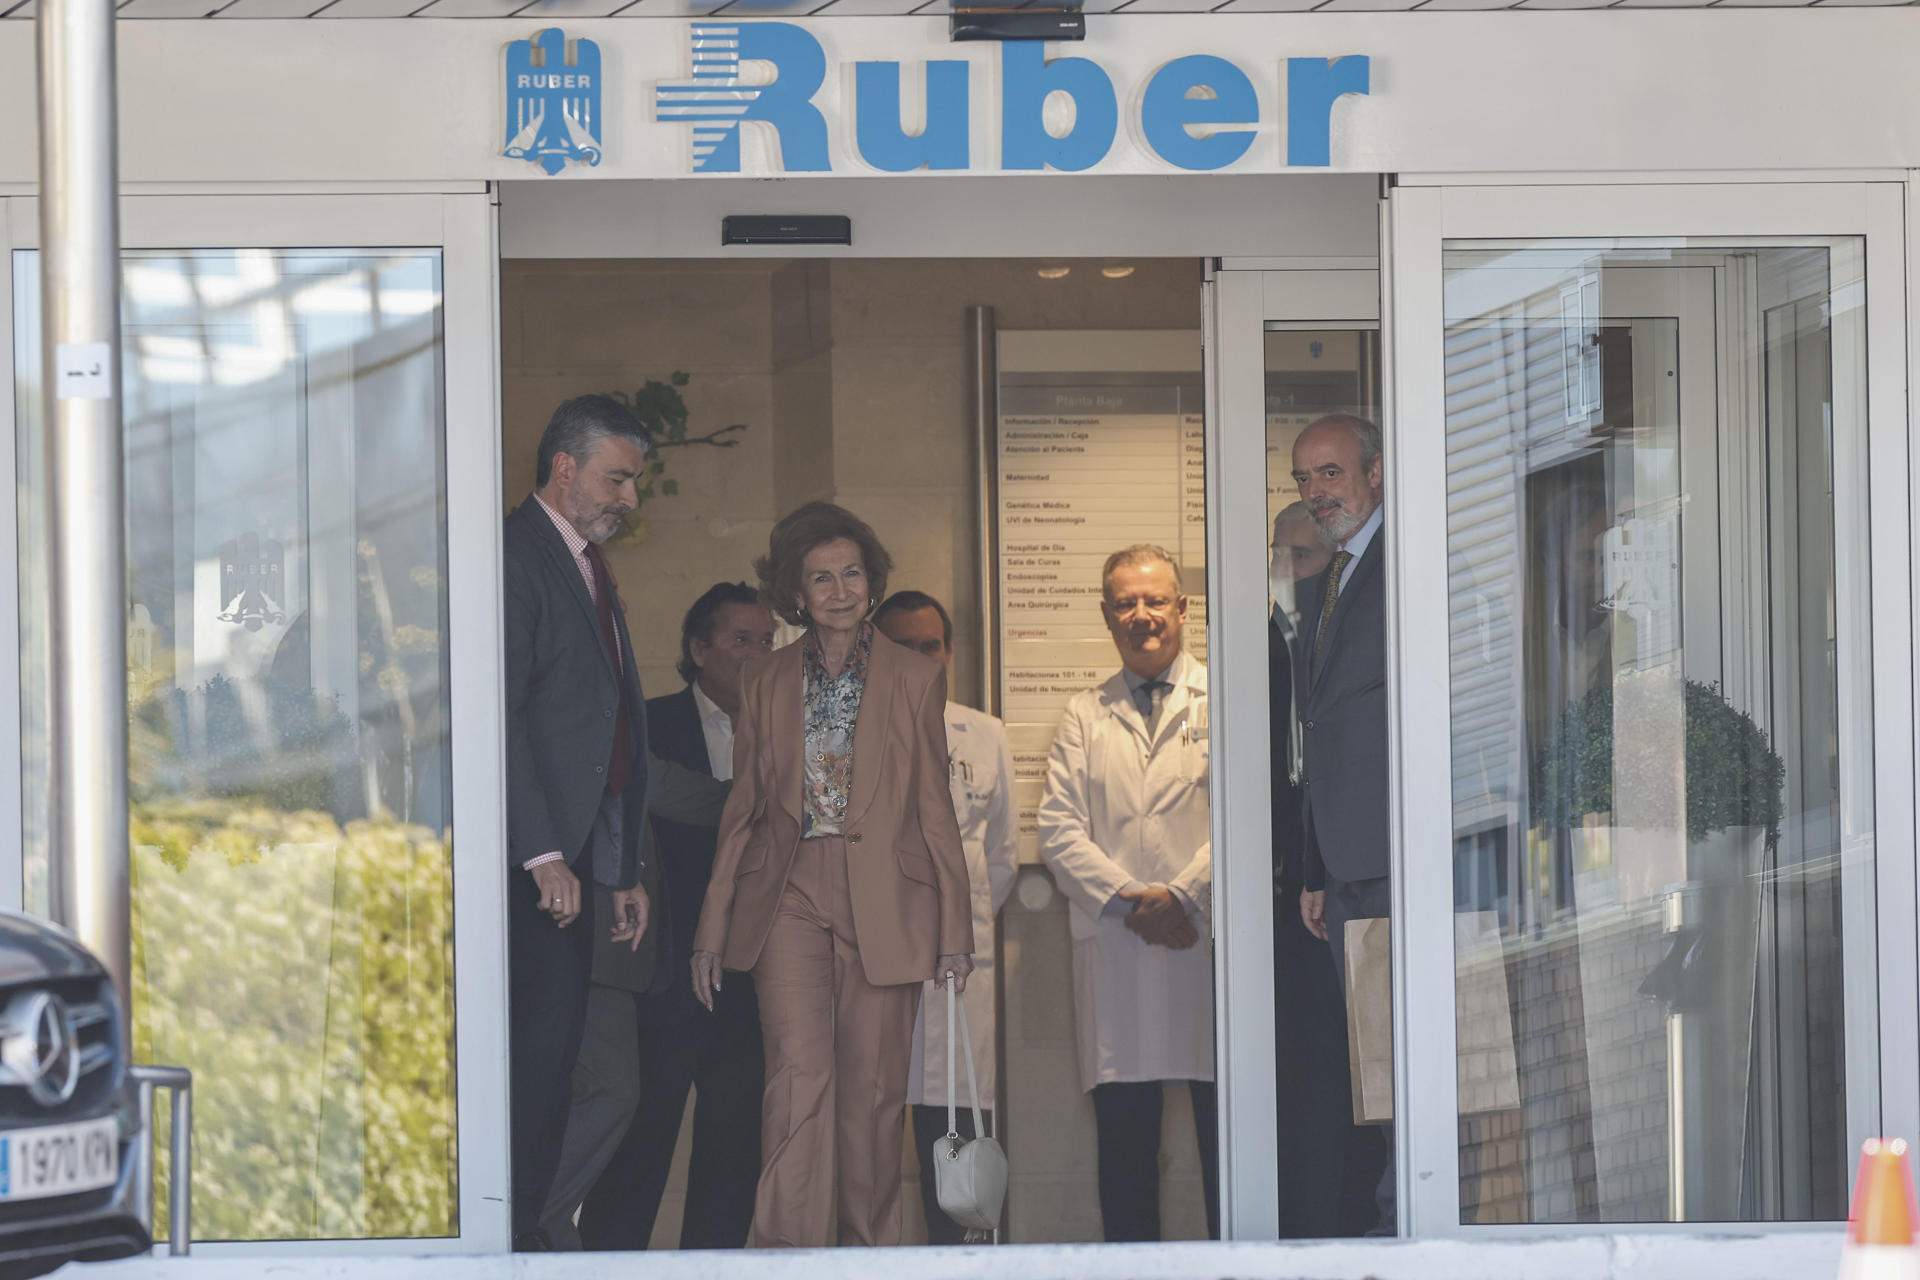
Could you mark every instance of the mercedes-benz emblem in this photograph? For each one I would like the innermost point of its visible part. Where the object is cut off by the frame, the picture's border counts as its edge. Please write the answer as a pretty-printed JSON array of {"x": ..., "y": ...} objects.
[{"x": 38, "y": 1050}]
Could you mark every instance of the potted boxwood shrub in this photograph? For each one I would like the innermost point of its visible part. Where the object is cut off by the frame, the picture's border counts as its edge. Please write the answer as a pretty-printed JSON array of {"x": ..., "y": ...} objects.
[
  {"x": 1665, "y": 918},
  {"x": 1734, "y": 777}
]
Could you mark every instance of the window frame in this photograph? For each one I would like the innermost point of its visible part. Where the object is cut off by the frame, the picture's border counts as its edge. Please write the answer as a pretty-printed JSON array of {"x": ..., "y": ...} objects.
[
  {"x": 1423, "y": 215},
  {"x": 461, "y": 225}
]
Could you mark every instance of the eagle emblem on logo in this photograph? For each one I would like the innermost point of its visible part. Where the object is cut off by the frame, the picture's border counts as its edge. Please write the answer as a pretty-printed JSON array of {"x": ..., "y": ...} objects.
[{"x": 553, "y": 100}]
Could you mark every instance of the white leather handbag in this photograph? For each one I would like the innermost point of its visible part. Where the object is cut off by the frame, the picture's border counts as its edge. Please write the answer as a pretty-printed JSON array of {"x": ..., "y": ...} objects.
[{"x": 970, "y": 1176}]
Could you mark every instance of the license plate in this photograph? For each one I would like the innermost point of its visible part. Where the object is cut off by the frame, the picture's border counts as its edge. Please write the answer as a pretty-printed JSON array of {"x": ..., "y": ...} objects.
[{"x": 59, "y": 1159}]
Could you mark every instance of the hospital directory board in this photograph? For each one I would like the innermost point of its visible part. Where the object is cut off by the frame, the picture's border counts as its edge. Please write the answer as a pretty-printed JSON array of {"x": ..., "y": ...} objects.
[{"x": 1100, "y": 444}]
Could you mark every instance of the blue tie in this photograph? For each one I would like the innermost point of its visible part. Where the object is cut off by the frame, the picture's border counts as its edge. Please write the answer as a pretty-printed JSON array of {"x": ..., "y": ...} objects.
[{"x": 1143, "y": 696}]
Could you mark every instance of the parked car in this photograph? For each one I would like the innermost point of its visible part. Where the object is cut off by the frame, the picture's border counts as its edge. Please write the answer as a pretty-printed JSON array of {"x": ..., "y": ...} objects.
[{"x": 69, "y": 1112}]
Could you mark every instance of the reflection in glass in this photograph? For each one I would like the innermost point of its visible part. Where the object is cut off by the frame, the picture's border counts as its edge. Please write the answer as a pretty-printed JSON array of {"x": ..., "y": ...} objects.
[
  {"x": 1328, "y": 1169},
  {"x": 1655, "y": 770},
  {"x": 288, "y": 766}
]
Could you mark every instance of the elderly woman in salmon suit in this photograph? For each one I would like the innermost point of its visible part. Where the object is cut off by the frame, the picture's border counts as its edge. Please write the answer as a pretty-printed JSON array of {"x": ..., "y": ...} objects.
[{"x": 840, "y": 882}]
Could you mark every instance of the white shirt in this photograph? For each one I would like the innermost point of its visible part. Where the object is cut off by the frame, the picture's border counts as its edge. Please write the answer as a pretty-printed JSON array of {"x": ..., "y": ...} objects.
[
  {"x": 1119, "y": 907},
  {"x": 1356, "y": 545},
  {"x": 717, "y": 725},
  {"x": 980, "y": 778},
  {"x": 1124, "y": 805}
]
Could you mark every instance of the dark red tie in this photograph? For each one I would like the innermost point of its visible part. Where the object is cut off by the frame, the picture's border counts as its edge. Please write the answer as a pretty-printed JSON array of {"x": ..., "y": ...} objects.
[{"x": 620, "y": 764}]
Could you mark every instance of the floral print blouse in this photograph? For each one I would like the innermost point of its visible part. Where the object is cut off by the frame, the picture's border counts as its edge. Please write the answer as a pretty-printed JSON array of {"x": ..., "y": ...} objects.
[{"x": 832, "y": 707}]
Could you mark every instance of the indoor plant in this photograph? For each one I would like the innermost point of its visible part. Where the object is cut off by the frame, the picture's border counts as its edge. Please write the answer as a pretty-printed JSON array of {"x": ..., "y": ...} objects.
[
  {"x": 1733, "y": 775},
  {"x": 662, "y": 410}
]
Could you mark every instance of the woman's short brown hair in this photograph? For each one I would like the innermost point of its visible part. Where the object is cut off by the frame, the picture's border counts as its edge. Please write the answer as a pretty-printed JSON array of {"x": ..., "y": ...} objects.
[{"x": 800, "y": 531}]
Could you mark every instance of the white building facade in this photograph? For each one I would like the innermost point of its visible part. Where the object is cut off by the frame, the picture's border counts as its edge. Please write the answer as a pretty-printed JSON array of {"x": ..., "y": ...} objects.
[{"x": 1627, "y": 291}]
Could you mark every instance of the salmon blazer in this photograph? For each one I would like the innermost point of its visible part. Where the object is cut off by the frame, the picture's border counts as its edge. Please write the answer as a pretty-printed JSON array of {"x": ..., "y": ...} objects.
[{"x": 906, "y": 869}]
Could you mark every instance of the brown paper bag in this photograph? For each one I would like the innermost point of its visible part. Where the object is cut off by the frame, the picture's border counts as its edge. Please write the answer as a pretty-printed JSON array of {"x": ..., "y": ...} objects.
[
  {"x": 1370, "y": 1019},
  {"x": 1489, "y": 1078}
]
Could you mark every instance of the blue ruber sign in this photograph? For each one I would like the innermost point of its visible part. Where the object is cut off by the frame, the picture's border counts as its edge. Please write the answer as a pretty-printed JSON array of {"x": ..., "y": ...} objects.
[
  {"x": 553, "y": 100},
  {"x": 1197, "y": 112},
  {"x": 717, "y": 97}
]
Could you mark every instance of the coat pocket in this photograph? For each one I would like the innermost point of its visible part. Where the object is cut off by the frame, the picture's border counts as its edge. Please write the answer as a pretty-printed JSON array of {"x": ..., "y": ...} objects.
[
  {"x": 917, "y": 866},
  {"x": 754, "y": 856}
]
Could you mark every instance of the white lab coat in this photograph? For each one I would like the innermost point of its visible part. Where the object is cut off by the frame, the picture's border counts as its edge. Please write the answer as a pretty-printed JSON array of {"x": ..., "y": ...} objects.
[
  {"x": 980, "y": 775},
  {"x": 1121, "y": 808}
]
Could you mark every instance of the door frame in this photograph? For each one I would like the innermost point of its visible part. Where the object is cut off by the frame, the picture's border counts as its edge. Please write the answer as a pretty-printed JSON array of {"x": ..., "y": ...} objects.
[
  {"x": 462, "y": 224},
  {"x": 1419, "y": 216},
  {"x": 1244, "y": 299}
]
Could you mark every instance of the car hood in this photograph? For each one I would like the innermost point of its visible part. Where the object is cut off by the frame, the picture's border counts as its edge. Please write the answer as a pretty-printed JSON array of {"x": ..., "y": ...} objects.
[{"x": 34, "y": 951}]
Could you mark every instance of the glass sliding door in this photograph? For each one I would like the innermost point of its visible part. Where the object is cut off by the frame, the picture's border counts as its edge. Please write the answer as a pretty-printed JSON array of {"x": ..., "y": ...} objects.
[
  {"x": 1289, "y": 349},
  {"x": 291, "y": 768},
  {"x": 1667, "y": 715}
]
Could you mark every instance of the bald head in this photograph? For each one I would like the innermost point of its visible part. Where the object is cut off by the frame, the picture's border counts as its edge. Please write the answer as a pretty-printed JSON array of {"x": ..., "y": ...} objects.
[
  {"x": 1301, "y": 548},
  {"x": 1337, "y": 464}
]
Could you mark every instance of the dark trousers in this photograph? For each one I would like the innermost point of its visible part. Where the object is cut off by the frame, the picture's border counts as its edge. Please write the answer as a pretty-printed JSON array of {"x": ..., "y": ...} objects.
[
  {"x": 548, "y": 969},
  {"x": 1127, "y": 1118},
  {"x": 929, "y": 1126},
  {"x": 719, "y": 1056},
  {"x": 1349, "y": 900},
  {"x": 1329, "y": 1167}
]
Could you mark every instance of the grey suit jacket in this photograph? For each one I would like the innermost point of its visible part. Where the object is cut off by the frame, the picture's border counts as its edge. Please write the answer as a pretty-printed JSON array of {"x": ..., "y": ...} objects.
[
  {"x": 678, "y": 794},
  {"x": 563, "y": 690},
  {"x": 562, "y": 696},
  {"x": 1343, "y": 723}
]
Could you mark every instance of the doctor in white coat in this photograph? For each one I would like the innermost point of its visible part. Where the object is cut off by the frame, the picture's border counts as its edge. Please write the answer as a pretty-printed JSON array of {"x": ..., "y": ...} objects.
[
  {"x": 1124, "y": 826},
  {"x": 980, "y": 776}
]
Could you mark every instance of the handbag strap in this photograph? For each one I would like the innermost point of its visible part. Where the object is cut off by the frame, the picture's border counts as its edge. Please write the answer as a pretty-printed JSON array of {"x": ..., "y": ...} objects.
[{"x": 953, "y": 1085}]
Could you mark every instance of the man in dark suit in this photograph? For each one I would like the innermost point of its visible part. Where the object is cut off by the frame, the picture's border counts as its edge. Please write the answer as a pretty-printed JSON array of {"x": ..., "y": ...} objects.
[
  {"x": 578, "y": 775},
  {"x": 681, "y": 1045},
  {"x": 1328, "y": 1165},
  {"x": 1339, "y": 659}
]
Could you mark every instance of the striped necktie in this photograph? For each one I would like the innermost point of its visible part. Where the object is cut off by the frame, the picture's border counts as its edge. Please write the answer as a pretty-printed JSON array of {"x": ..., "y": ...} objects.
[{"x": 1327, "y": 602}]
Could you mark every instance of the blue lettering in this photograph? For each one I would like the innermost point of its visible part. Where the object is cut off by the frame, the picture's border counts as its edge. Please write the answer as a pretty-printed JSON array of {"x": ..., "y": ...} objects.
[
  {"x": 1313, "y": 86},
  {"x": 1026, "y": 79},
  {"x": 885, "y": 145},
  {"x": 787, "y": 104},
  {"x": 1197, "y": 112},
  {"x": 1175, "y": 99}
]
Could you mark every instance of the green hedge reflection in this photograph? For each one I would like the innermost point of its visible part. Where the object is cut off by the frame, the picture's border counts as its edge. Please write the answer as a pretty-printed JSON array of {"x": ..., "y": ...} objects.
[{"x": 300, "y": 965}]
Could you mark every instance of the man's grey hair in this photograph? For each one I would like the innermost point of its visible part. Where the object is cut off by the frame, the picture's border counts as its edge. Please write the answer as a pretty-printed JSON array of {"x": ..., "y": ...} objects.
[
  {"x": 579, "y": 425},
  {"x": 1365, "y": 433},
  {"x": 1301, "y": 514},
  {"x": 1137, "y": 554}
]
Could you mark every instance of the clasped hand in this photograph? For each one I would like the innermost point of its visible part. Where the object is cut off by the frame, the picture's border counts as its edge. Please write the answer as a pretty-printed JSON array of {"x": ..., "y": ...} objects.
[
  {"x": 1158, "y": 917},
  {"x": 560, "y": 897}
]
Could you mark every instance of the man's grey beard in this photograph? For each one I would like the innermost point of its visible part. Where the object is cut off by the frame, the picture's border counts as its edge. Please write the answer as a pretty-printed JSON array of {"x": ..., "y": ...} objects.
[
  {"x": 1339, "y": 524},
  {"x": 614, "y": 530}
]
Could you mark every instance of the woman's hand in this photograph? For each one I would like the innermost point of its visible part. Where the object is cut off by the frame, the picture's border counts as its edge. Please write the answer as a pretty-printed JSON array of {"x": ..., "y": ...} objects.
[
  {"x": 706, "y": 977},
  {"x": 955, "y": 967}
]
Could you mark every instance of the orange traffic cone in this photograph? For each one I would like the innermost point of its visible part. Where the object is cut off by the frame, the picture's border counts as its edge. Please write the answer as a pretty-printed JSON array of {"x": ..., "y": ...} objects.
[{"x": 1880, "y": 1242}]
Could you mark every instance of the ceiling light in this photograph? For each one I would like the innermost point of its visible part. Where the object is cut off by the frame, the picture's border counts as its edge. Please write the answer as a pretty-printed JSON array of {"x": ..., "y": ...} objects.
[
  {"x": 1116, "y": 273},
  {"x": 1054, "y": 273}
]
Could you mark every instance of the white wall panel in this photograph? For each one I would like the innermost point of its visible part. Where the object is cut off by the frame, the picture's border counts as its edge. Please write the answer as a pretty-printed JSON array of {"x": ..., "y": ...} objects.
[{"x": 348, "y": 100}]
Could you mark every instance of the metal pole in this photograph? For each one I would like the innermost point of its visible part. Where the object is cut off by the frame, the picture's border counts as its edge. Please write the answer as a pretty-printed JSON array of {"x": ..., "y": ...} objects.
[
  {"x": 179, "y": 1081},
  {"x": 983, "y": 361},
  {"x": 983, "y": 358},
  {"x": 80, "y": 297},
  {"x": 143, "y": 1151},
  {"x": 180, "y": 1171}
]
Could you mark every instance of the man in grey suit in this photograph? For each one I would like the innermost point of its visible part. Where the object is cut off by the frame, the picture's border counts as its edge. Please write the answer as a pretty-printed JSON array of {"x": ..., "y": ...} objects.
[
  {"x": 1340, "y": 669},
  {"x": 578, "y": 773}
]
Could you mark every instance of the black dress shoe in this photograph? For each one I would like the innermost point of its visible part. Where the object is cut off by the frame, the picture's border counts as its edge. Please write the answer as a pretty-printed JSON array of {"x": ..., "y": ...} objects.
[{"x": 534, "y": 1241}]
